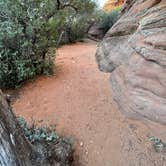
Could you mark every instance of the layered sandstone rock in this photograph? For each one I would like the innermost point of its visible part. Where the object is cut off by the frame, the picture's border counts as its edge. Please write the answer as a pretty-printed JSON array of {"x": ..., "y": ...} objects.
[
  {"x": 134, "y": 52},
  {"x": 112, "y": 4}
]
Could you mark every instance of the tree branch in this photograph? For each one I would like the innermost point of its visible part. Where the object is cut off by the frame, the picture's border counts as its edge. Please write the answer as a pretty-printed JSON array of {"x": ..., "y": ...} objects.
[
  {"x": 71, "y": 6},
  {"x": 58, "y": 4}
]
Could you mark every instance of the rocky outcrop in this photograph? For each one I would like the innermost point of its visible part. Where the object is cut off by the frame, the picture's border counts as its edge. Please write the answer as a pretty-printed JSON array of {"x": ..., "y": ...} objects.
[
  {"x": 96, "y": 32},
  {"x": 134, "y": 52},
  {"x": 112, "y": 4}
]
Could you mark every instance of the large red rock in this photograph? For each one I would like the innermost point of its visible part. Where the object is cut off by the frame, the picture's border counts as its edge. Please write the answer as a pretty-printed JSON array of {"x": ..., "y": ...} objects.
[{"x": 134, "y": 52}]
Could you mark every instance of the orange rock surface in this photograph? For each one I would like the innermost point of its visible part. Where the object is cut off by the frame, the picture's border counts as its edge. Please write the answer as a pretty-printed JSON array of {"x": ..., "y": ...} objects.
[{"x": 112, "y": 4}]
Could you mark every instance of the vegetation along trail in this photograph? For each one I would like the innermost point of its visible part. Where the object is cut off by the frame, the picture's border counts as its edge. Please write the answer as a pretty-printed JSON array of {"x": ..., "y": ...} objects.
[{"x": 77, "y": 99}]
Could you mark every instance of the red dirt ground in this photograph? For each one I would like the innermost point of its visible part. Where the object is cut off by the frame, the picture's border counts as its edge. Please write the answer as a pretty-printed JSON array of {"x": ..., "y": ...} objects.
[{"x": 77, "y": 98}]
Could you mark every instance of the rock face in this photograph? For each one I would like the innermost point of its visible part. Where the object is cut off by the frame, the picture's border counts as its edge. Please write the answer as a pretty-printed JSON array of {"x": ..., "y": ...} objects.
[
  {"x": 134, "y": 52},
  {"x": 112, "y": 4}
]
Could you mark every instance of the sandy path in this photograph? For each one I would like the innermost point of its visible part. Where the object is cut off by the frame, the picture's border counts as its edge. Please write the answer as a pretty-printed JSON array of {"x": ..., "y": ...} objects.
[{"x": 78, "y": 100}]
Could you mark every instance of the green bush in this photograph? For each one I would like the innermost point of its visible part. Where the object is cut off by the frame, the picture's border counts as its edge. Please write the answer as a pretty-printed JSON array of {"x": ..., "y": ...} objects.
[
  {"x": 77, "y": 30},
  {"x": 109, "y": 19},
  {"x": 77, "y": 27},
  {"x": 28, "y": 29},
  {"x": 26, "y": 33}
]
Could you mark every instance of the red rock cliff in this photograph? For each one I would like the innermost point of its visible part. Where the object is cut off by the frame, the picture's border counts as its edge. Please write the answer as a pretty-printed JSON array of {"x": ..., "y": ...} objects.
[{"x": 112, "y": 4}]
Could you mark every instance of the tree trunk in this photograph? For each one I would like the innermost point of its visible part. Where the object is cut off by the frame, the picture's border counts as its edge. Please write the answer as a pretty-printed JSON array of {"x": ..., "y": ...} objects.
[{"x": 14, "y": 148}]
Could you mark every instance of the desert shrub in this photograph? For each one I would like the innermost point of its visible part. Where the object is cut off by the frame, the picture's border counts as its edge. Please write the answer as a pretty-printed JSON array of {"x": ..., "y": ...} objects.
[
  {"x": 158, "y": 144},
  {"x": 28, "y": 29},
  {"x": 35, "y": 134},
  {"x": 77, "y": 30},
  {"x": 49, "y": 148},
  {"x": 108, "y": 19}
]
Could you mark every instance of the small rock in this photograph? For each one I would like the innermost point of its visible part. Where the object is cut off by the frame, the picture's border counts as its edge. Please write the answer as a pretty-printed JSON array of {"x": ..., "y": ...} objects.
[
  {"x": 81, "y": 144},
  {"x": 86, "y": 153}
]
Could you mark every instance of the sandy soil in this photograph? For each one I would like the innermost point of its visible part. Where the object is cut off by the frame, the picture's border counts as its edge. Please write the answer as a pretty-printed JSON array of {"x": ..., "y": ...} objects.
[{"x": 77, "y": 98}]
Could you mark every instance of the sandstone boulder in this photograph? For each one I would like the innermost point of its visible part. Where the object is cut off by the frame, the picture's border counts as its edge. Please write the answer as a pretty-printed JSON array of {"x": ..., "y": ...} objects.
[
  {"x": 134, "y": 52},
  {"x": 96, "y": 32}
]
